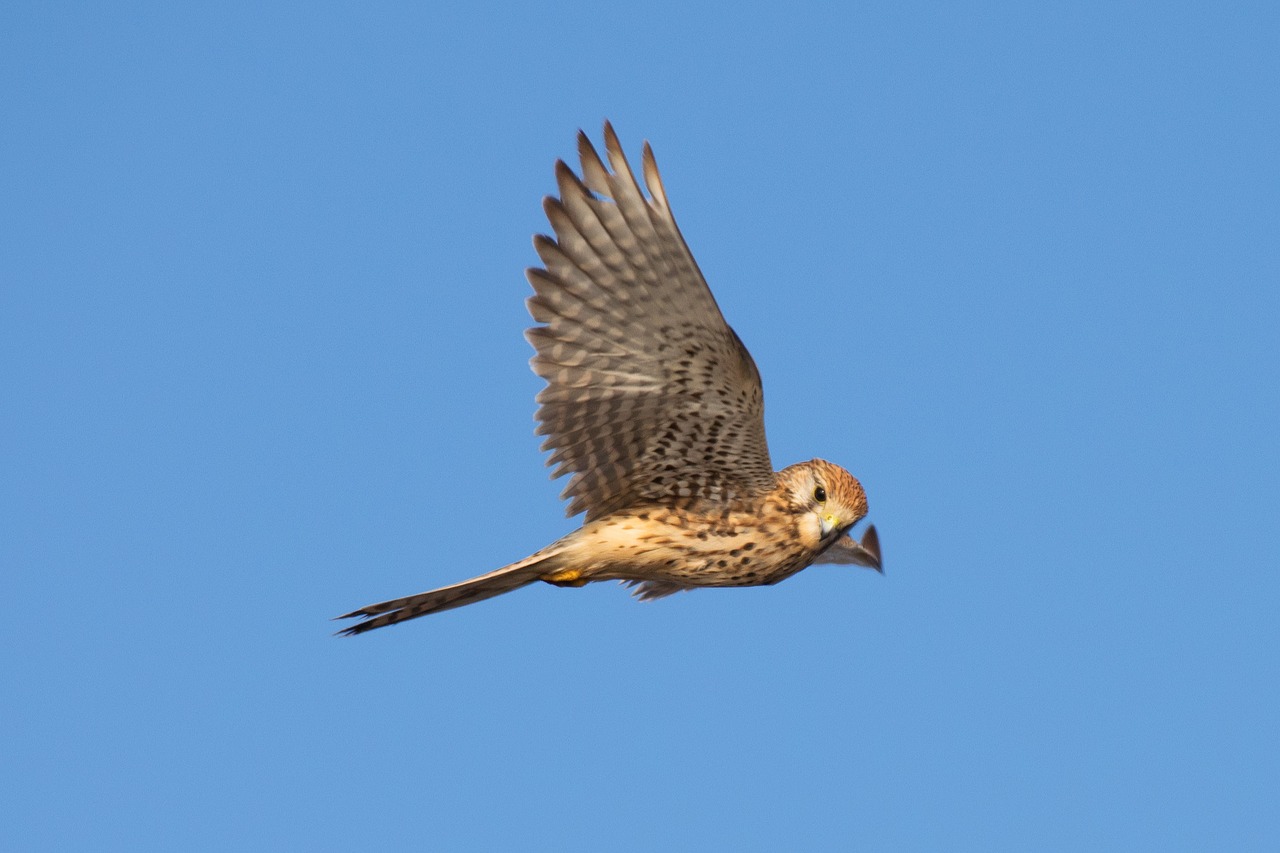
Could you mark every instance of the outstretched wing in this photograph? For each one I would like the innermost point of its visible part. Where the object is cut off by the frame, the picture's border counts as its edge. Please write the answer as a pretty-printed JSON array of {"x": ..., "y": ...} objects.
[{"x": 650, "y": 395}]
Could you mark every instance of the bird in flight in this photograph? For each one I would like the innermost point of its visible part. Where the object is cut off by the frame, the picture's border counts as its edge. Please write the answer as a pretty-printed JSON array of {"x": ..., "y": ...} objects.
[{"x": 654, "y": 409}]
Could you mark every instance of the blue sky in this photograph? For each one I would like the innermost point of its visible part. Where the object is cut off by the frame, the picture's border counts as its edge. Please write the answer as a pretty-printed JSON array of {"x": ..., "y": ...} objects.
[{"x": 261, "y": 300}]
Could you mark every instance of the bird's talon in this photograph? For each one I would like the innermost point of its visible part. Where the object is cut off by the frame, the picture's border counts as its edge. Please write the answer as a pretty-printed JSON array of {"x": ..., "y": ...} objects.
[{"x": 566, "y": 577}]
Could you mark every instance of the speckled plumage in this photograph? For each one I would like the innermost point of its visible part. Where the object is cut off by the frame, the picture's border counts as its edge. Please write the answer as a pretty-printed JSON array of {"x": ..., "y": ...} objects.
[{"x": 654, "y": 409}]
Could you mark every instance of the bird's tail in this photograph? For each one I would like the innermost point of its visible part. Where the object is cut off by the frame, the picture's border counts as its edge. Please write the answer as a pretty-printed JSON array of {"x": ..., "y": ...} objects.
[{"x": 506, "y": 579}]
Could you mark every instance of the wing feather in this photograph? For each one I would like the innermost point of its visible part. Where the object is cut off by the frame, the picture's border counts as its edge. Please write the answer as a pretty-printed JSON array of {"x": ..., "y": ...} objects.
[{"x": 650, "y": 395}]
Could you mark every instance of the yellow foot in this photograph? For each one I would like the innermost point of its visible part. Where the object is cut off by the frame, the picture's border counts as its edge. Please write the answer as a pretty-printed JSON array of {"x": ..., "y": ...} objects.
[{"x": 566, "y": 577}]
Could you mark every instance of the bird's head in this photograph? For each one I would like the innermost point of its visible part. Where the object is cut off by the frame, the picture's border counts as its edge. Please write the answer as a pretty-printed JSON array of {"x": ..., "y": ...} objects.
[{"x": 829, "y": 500}]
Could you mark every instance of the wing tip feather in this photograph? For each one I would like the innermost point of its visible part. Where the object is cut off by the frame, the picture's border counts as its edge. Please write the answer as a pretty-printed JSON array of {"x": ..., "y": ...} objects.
[{"x": 652, "y": 178}]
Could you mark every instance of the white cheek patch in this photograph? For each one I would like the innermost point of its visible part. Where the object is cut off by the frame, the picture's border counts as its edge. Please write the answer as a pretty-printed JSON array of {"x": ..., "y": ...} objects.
[{"x": 809, "y": 530}]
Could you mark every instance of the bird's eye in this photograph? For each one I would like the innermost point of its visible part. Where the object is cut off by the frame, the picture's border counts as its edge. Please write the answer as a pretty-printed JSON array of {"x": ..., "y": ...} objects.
[{"x": 820, "y": 495}]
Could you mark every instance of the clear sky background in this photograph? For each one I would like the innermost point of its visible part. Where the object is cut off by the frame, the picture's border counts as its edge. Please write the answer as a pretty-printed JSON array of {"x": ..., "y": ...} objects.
[{"x": 1014, "y": 265}]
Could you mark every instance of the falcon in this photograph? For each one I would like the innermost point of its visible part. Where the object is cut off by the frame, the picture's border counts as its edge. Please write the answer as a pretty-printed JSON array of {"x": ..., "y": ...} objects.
[{"x": 654, "y": 409}]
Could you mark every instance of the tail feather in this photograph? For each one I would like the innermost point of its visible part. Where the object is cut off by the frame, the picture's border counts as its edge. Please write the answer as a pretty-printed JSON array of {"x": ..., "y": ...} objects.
[{"x": 495, "y": 583}]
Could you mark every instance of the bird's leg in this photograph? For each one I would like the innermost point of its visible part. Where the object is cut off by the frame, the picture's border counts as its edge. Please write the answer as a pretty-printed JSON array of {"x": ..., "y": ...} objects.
[{"x": 566, "y": 577}]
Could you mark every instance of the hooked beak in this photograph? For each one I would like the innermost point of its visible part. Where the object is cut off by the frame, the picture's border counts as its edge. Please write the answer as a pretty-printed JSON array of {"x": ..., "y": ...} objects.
[
  {"x": 864, "y": 553},
  {"x": 827, "y": 523}
]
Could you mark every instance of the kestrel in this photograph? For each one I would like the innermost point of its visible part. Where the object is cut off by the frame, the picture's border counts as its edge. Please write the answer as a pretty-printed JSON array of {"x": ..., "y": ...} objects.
[{"x": 654, "y": 408}]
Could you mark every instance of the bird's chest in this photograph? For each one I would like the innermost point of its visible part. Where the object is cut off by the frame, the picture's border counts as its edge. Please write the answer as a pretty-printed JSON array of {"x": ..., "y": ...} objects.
[
  {"x": 751, "y": 563},
  {"x": 735, "y": 550},
  {"x": 692, "y": 548}
]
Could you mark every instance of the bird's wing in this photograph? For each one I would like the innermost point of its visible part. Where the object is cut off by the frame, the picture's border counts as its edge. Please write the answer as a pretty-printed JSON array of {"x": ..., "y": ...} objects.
[
  {"x": 650, "y": 395},
  {"x": 653, "y": 590},
  {"x": 848, "y": 552}
]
